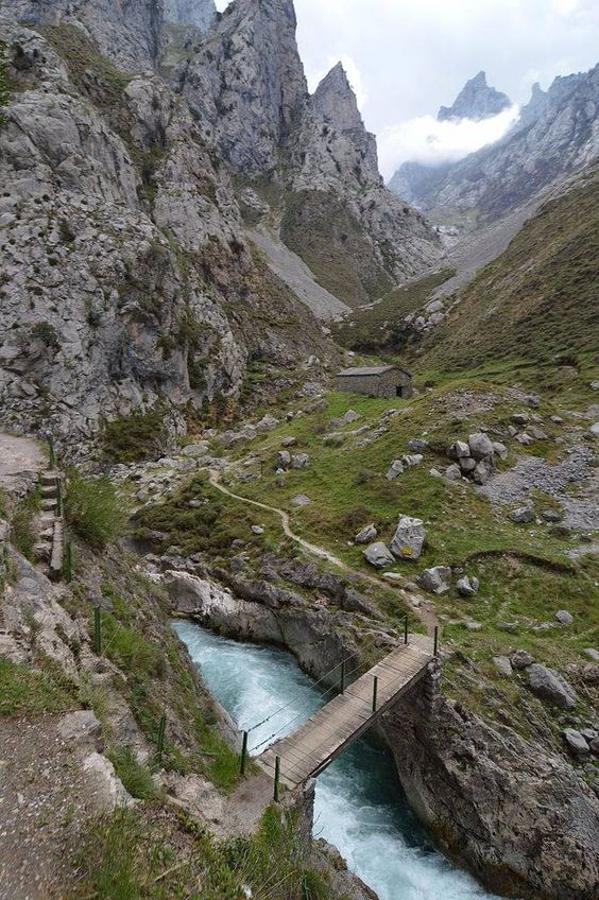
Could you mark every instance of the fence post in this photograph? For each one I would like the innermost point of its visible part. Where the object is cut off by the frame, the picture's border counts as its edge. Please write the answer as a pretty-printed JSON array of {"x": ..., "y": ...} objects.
[
  {"x": 343, "y": 677},
  {"x": 244, "y": 751},
  {"x": 375, "y": 691},
  {"x": 161, "y": 734},
  {"x": 97, "y": 631},
  {"x": 277, "y": 777},
  {"x": 68, "y": 562},
  {"x": 436, "y": 647},
  {"x": 52, "y": 453},
  {"x": 405, "y": 634}
]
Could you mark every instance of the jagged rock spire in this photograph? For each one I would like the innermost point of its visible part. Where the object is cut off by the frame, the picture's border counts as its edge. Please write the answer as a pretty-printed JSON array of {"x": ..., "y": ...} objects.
[
  {"x": 334, "y": 101},
  {"x": 476, "y": 100},
  {"x": 200, "y": 13}
]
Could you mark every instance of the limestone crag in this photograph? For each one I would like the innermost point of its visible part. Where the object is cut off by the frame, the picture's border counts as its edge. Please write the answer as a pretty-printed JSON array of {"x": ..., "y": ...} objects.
[
  {"x": 128, "y": 33},
  {"x": 245, "y": 84},
  {"x": 523, "y": 820},
  {"x": 126, "y": 277},
  {"x": 477, "y": 100}
]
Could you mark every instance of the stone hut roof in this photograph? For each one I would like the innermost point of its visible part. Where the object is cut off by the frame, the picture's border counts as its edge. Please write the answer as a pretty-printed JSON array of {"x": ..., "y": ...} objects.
[{"x": 370, "y": 370}]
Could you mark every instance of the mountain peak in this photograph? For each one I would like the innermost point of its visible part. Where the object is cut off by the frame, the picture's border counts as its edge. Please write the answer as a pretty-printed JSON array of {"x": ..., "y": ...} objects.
[
  {"x": 476, "y": 100},
  {"x": 334, "y": 101}
]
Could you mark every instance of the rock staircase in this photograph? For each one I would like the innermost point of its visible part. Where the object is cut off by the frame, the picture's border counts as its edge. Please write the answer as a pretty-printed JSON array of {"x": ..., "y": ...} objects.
[{"x": 51, "y": 544}]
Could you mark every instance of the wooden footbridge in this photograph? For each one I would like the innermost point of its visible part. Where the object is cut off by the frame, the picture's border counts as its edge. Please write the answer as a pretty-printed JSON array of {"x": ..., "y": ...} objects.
[{"x": 307, "y": 751}]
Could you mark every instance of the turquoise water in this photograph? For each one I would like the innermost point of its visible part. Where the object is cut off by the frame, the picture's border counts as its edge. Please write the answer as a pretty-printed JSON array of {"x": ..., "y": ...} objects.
[{"x": 359, "y": 806}]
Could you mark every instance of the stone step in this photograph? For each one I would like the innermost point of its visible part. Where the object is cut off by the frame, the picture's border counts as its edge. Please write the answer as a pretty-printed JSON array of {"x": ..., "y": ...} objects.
[
  {"x": 50, "y": 490},
  {"x": 49, "y": 503}
]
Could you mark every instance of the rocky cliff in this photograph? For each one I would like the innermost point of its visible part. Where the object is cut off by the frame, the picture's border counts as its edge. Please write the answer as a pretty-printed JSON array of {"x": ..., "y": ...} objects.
[
  {"x": 129, "y": 279},
  {"x": 477, "y": 100},
  {"x": 126, "y": 277},
  {"x": 558, "y": 132},
  {"x": 310, "y": 158}
]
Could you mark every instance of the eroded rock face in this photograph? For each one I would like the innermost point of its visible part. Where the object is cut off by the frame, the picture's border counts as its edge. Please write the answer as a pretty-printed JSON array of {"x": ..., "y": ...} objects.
[
  {"x": 520, "y": 818},
  {"x": 122, "y": 245}
]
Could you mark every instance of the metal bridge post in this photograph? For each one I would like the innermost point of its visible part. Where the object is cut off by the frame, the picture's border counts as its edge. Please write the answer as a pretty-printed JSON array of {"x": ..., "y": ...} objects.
[
  {"x": 244, "y": 751},
  {"x": 277, "y": 777},
  {"x": 405, "y": 634},
  {"x": 436, "y": 646},
  {"x": 375, "y": 690},
  {"x": 343, "y": 677}
]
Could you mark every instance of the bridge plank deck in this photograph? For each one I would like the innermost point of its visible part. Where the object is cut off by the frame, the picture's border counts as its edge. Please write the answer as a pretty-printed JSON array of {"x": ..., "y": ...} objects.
[{"x": 309, "y": 749}]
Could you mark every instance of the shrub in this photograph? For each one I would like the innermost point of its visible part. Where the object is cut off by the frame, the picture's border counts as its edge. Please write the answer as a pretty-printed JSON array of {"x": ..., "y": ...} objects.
[
  {"x": 94, "y": 510},
  {"x": 134, "y": 438}
]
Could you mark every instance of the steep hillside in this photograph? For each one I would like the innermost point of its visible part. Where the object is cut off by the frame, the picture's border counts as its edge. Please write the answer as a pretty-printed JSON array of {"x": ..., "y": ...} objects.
[
  {"x": 126, "y": 278},
  {"x": 539, "y": 298},
  {"x": 557, "y": 132}
]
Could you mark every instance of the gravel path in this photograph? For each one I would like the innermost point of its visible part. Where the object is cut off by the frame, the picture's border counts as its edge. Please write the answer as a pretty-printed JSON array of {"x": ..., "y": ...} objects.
[{"x": 46, "y": 800}]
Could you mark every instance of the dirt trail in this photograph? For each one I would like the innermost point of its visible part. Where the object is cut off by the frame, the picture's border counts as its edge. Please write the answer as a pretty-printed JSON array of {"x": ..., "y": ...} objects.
[
  {"x": 21, "y": 460},
  {"x": 426, "y": 614}
]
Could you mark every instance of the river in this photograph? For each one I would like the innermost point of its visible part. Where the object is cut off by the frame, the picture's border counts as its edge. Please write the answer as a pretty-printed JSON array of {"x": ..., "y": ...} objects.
[{"x": 360, "y": 806}]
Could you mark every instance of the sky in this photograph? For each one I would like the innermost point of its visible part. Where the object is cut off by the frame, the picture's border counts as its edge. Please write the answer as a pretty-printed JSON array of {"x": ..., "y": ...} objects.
[{"x": 406, "y": 58}]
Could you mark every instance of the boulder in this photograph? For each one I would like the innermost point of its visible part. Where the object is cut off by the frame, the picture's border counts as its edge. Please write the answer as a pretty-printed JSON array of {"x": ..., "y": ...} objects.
[
  {"x": 548, "y": 685},
  {"x": 267, "y": 423},
  {"x": 301, "y": 500},
  {"x": 521, "y": 418},
  {"x": 396, "y": 468},
  {"x": 289, "y": 442},
  {"x": 257, "y": 529},
  {"x": 594, "y": 430},
  {"x": 503, "y": 665},
  {"x": 202, "y": 448},
  {"x": 552, "y": 515},
  {"x": 592, "y": 653},
  {"x": 409, "y": 538},
  {"x": 524, "y": 439},
  {"x": 458, "y": 450},
  {"x": 523, "y": 514},
  {"x": 411, "y": 460},
  {"x": 564, "y": 617},
  {"x": 467, "y": 586},
  {"x": 467, "y": 464},
  {"x": 378, "y": 555},
  {"x": 417, "y": 445},
  {"x": 453, "y": 473},
  {"x": 350, "y": 416},
  {"x": 366, "y": 535},
  {"x": 283, "y": 459},
  {"x": 594, "y": 745},
  {"x": 500, "y": 450},
  {"x": 436, "y": 580},
  {"x": 483, "y": 471},
  {"x": 575, "y": 742},
  {"x": 300, "y": 461},
  {"x": 481, "y": 446},
  {"x": 521, "y": 659}
]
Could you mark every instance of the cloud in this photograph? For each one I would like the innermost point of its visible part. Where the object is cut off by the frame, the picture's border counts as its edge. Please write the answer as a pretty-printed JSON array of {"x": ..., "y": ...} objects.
[{"x": 428, "y": 141}]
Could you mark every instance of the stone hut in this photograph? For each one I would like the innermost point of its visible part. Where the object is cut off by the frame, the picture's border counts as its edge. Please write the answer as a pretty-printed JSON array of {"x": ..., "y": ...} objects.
[{"x": 375, "y": 381}]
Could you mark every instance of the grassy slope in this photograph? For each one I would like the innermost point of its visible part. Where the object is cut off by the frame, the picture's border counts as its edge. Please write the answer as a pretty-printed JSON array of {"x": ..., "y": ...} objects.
[
  {"x": 378, "y": 328},
  {"x": 348, "y": 489},
  {"x": 539, "y": 298}
]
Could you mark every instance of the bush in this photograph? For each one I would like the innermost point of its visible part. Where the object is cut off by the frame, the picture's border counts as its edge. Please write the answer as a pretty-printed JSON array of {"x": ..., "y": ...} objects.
[
  {"x": 94, "y": 510},
  {"x": 134, "y": 438}
]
